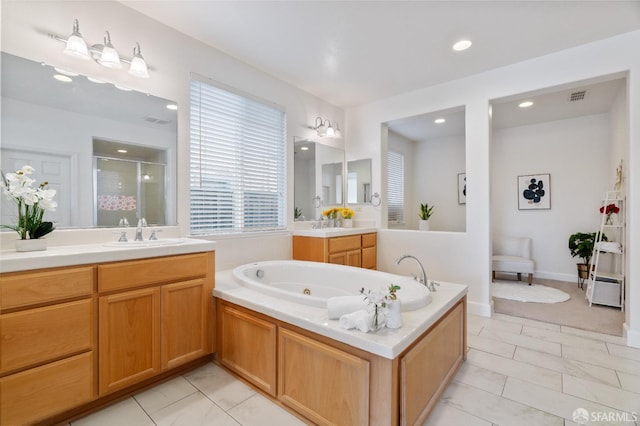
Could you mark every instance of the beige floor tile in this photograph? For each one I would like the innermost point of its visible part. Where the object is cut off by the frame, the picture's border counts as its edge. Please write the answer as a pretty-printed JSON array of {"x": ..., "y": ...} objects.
[
  {"x": 259, "y": 411},
  {"x": 165, "y": 394},
  {"x": 523, "y": 341},
  {"x": 564, "y": 338},
  {"x": 593, "y": 335},
  {"x": 481, "y": 378},
  {"x": 568, "y": 366},
  {"x": 602, "y": 359},
  {"x": 549, "y": 401},
  {"x": 447, "y": 415},
  {"x": 126, "y": 412},
  {"x": 602, "y": 394},
  {"x": 473, "y": 327},
  {"x": 499, "y": 325},
  {"x": 494, "y": 408},
  {"x": 219, "y": 386},
  {"x": 624, "y": 351},
  {"x": 508, "y": 367},
  {"x": 492, "y": 346},
  {"x": 193, "y": 410},
  {"x": 527, "y": 321},
  {"x": 629, "y": 382}
]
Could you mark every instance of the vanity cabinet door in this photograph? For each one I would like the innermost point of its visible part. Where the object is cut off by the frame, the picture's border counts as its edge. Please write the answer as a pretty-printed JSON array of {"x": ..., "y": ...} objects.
[
  {"x": 184, "y": 322},
  {"x": 338, "y": 258},
  {"x": 129, "y": 349},
  {"x": 354, "y": 258}
]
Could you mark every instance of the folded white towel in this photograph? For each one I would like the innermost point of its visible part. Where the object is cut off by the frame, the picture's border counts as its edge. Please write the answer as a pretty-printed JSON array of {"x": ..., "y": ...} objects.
[
  {"x": 341, "y": 305},
  {"x": 351, "y": 320}
]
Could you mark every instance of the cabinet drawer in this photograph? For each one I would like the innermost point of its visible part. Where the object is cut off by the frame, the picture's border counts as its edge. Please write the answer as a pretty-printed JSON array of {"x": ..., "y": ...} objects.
[
  {"x": 39, "y": 393},
  {"x": 38, "y": 335},
  {"x": 19, "y": 289},
  {"x": 138, "y": 273},
  {"x": 337, "y": 244},
  {"x": 369, "y": 240}
]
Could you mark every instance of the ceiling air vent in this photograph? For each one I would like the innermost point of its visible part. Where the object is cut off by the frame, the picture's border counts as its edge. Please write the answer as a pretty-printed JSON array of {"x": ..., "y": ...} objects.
[
  {"x": 577, "y": 96},
  {"x": 155, "y": 120}
]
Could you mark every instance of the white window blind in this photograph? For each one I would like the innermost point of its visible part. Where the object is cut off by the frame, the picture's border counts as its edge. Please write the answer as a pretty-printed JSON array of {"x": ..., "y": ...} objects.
[
  {"x": 237, "y": 163},
  {"x": 395, "y": 187}
]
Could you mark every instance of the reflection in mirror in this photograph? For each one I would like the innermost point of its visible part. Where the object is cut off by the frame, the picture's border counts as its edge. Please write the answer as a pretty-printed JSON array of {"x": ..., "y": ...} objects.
[
  {"x": 52, "y": 124},
  {"x": 359, "y": 181},
  {"x": 426, "y": 155},
  {"x": 318, "y": 182}
]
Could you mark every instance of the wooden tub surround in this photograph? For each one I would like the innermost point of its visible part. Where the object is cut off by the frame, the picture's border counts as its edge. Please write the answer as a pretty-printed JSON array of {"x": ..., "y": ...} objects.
[
  {"x": 76, "y": 338},
  {"x": 333, "y": 381}
]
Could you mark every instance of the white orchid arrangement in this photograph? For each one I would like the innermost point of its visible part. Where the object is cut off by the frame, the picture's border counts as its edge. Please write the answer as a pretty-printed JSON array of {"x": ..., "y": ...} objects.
[
  {"x": 378, "y": 299},
  {"x": 32, "y": 203}
]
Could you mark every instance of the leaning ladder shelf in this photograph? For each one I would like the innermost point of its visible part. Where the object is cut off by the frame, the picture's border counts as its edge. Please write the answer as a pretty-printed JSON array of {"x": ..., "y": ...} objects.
[{"x": 606, "y": 285}]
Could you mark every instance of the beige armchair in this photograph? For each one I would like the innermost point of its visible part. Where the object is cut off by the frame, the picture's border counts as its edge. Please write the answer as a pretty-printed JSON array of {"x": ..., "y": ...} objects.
[{"x": 512, "y": 254}]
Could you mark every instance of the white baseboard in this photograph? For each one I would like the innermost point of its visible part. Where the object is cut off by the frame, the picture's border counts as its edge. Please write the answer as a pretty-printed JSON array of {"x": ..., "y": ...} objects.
[
  {"x": 633, "y": 336},
  {"x": 480, "y": 309},
  {"x": 556, "y": 276}
]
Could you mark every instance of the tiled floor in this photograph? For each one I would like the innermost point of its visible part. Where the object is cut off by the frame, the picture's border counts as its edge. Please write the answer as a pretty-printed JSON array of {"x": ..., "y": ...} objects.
[{"x": 518, "y": 372}]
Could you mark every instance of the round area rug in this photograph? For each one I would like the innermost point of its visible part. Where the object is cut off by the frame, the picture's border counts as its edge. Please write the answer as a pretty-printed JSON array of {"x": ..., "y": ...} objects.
[{"x": 523, "y": 292}]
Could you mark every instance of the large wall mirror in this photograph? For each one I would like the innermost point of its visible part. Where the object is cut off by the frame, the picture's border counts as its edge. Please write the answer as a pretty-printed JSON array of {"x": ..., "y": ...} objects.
[
  {"x": 318, "y": 178},
  {"x": 109, "y": 152},
  {"x": 426, "y": 165}
]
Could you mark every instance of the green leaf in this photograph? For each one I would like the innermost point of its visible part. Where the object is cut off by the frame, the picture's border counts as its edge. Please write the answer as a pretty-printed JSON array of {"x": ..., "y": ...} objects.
[{"x": 42, "y": 230}]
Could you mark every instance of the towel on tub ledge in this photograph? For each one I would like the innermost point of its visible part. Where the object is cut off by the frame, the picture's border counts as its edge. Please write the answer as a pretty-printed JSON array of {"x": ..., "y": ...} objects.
[
  {"x": 341, "y": 305},
  {"x": 359, "y": 319}
]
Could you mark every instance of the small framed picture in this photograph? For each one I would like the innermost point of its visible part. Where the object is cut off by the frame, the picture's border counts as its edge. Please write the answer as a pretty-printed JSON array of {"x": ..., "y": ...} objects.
[
  {"x": 534, "y": 192},
  {"x": 462, "y": 188}
]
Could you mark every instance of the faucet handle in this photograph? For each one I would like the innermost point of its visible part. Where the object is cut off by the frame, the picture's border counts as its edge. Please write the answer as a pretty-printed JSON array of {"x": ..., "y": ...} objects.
[
  {"x": 123, "y": 236},
  {"x": 153, "y": 235},
  {"x": 142, "y": 222},
  {"x": 123, "y": 222}
]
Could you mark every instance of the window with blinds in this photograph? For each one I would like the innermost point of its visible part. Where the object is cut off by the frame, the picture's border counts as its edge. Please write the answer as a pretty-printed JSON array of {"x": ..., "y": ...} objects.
[
  {"x": 395, "y": 187},
  {"x": 237, "y": 163}
]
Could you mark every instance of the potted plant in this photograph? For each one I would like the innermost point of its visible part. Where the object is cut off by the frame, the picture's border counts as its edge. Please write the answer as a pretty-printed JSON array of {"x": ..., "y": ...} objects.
[
  {"x": 581, "y": 245},
  {"x": 424, "y": 215}
]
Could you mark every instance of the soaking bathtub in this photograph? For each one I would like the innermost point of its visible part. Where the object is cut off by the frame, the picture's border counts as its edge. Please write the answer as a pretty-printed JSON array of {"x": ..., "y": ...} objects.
[{"x": 312, "y": 283}]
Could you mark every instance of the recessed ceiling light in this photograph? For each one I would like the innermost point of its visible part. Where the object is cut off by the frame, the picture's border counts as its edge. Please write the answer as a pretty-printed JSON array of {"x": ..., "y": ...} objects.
[
  {"x": 95, "y": 80},
  {"x": 304, "y": 148},
  {"x": 122, "y": 151},
  {"x": 62, "y": 78},
  {"x": 439, "y": 120},
  {"x": 525, "y": 104},
  {"x": 65, "y": 72},
  {"x": 172, "y": 107},
  {"x": 462, "y": 45}
]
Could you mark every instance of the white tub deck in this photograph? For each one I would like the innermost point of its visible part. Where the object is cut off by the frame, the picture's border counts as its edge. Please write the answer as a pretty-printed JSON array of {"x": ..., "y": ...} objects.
[{"x": 387, "y": 343}]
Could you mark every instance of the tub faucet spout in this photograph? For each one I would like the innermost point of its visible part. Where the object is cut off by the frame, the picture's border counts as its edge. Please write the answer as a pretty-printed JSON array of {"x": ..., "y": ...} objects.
[{"x": 430, "y": 285}]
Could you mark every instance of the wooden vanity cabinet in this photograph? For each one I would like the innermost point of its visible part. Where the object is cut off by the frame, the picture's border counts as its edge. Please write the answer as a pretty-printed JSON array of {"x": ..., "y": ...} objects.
[
  {"x": 160, "y": 317},
  {"x": 47, "y": 342},
  {"x": 352, "y": 250}
]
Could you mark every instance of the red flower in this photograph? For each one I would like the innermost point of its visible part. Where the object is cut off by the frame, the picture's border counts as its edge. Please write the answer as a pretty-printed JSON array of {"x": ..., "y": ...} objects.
[{"x": 611, "y": 208}]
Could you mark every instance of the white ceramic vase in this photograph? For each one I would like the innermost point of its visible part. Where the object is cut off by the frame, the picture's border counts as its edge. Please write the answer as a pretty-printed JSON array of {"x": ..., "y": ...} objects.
[
  {"x": 394, "y": 317},
  {"x": 31, "y": 245},
  {"x": 347, "y": 223},
  {"x": 423, "y": 225}
]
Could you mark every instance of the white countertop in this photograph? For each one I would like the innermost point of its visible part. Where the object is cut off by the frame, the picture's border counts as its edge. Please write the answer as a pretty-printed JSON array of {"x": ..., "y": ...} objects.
[
  {"x": 332, "y": 232},
  {"x": 387, "y": 343},
  {"x": 68, "y": 255}
]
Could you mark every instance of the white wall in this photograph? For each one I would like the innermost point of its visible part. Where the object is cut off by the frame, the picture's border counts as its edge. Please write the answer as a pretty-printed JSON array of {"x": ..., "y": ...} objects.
[
  {"x": 437, "y": 164},
  {"x": 466, "y": 257},
  {"x": 172, "y": 56},
  {"x": 576, "y": 154}
]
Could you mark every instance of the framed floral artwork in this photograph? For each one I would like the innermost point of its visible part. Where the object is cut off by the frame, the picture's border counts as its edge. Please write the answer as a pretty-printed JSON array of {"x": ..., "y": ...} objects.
[
  {"x": 462, "y": 188},
  {"x": 534, "y": 192}
]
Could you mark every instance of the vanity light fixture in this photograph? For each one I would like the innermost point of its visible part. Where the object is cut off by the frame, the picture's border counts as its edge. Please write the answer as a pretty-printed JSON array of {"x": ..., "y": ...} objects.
[
  {"x": 104, "y": 54},
  {"x": 439, "y": 120},
  {"x": 525, "y": 104},
  {"x": 324, "y": 128}
]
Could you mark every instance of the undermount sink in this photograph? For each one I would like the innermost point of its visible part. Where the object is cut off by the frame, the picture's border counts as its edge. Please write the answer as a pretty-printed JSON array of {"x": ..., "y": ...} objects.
[{"x": 146, "y": 243}]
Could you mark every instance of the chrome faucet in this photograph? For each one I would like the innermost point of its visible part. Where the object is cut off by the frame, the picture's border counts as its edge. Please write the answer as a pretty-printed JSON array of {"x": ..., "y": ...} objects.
[
  {"x": 429, "y": 284},
  {"x": 142, "y": 222}
]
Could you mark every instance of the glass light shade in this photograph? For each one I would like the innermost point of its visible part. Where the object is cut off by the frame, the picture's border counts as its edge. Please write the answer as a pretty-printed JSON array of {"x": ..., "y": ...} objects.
[
  {"x": 330, "y": 132},
  {"x": 110, "y": 58},
  {"x": 322, "y": 130},
  {"x": 77, "y": 47},
  {"x": 138, "y": 67}
]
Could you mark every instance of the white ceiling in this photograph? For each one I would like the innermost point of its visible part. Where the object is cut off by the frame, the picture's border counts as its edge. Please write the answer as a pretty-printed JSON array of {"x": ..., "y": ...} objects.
[{"x": 353, "y": 52}]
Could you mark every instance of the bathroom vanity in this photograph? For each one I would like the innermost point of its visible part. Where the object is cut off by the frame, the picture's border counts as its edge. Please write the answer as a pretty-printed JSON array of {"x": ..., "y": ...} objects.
[
  {"x": 342, "y": 246},
  {"x": 329, "y": 375},
  {"x": 92, "y": 323}
]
